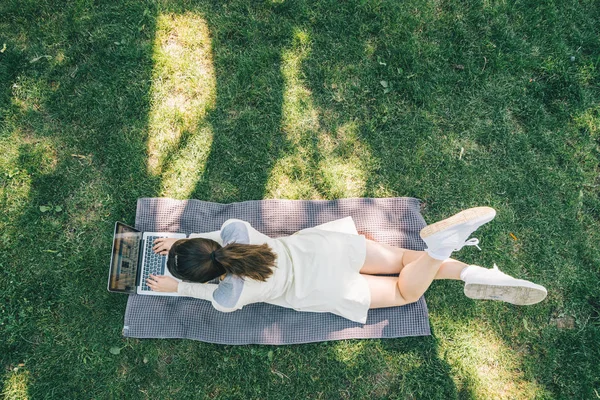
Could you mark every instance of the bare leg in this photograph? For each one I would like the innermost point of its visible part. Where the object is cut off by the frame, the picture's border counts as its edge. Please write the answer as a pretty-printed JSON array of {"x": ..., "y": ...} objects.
[
  {"x": 384, "y": 291},
  {"x": 384, "y": 259},
  {"x": 450, "y": 268},
  {"x": 416, "y": 277},
  {"x": 417, "y": 270},
  {"x": 413, "y": 281}
]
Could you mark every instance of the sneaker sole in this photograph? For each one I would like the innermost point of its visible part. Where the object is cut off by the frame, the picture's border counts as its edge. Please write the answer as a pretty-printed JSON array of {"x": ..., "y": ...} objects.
[
  {"x": 476, "y": 215},
  {"x": 522, "y": 295}
]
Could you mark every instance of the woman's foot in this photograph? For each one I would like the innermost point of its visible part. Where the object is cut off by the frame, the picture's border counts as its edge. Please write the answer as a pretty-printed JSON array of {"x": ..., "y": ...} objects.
[
  {"x": 492, "y": 284},
  {"x": 452, "y": 234}
]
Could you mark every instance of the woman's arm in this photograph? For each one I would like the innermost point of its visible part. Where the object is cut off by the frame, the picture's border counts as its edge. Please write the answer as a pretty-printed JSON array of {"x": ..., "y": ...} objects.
[
  {"x": 162, "y": 283},
  {"x": 202, "y": 291}
]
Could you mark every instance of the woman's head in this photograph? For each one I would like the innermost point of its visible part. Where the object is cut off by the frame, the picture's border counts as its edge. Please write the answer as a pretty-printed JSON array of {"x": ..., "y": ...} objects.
[{"x": 201, "y": 260}]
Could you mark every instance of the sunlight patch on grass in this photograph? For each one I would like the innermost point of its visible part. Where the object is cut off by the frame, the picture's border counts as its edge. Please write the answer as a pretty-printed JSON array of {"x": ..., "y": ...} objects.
[
  {"x": 589, "y": 121},
  {"x": 24, "y": 157},
  {"x": 319, "y": 162},
  {"x": 587, "y": 73},
  {"x": 350, "y": 352},
  {"x": 16, "y": 182},
  {"x": 16, "y": 385},
  {"x": 300, "y": 118},
  {"x": 489, "y": 369},
  {"x": 183, "y": 93},
  {"x": 291, "y": 176},
  {"x": 181, "y": 176},
  {"x": 342, "y": 168}
]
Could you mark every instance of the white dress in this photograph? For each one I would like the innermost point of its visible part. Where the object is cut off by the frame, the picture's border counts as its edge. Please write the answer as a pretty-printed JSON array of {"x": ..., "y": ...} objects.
[{"x": 317, "y": 270}]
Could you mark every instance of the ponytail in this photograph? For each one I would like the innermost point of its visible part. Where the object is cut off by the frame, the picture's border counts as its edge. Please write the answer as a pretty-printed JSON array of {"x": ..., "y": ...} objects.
[
  {"x": 202, "y": 260},
  {"x": 247, "y": 260}
]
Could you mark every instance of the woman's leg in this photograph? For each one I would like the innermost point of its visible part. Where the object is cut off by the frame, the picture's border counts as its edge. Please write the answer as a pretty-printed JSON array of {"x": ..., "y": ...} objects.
[
  {"x": 414, "y": 279},
  {"x": 417, "y": 271},
  {"x": 450, "y": 268},
  {"x": 383, "y": 259}
]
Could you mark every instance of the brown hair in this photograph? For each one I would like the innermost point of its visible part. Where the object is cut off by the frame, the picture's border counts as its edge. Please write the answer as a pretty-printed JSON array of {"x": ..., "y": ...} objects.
[{"x": 201, "y": 260}]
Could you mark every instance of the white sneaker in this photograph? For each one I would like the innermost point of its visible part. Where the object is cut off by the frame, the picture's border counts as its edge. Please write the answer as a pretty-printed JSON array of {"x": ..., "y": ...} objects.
[
  {"x": 451, "y": 234},
  {"x": 492, "y": 284}
]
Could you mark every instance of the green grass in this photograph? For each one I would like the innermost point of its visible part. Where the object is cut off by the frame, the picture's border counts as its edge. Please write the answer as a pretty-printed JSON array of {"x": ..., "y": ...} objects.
[{"x": 457, "y": 103}]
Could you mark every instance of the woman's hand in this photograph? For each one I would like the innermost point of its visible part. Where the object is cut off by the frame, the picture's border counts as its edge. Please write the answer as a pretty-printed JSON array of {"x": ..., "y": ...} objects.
[
  {"x": 162, "y": 245},
  {"x": 162, "y": 283}
]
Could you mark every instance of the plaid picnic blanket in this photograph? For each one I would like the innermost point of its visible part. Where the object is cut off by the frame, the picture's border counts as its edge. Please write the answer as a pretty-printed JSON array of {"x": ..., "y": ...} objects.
[{"x": 395, "y": 221}]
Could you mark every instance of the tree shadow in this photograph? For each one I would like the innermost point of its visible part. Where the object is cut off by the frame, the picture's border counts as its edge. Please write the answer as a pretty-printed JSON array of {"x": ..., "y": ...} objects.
[
  {"x": 74, "y": 128},
  {"x": 432, "y": 378},
  {"x": 247, "y": 136}
]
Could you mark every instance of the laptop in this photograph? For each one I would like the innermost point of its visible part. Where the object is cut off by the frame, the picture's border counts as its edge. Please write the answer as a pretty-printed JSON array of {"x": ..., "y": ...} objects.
[{"x": 133, "y": 261}]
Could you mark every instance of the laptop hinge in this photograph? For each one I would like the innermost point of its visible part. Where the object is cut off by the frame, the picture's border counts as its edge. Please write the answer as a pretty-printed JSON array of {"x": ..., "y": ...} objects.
[{"x": 138, "y": 273}]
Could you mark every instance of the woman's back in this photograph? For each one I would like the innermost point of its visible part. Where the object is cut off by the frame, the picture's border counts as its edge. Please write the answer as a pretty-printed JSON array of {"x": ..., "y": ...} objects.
[{"x": 316, "y": 271}]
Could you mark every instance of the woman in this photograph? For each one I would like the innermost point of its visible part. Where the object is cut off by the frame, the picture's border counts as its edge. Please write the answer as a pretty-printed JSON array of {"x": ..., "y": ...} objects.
[{"x": 323, "y": 271}]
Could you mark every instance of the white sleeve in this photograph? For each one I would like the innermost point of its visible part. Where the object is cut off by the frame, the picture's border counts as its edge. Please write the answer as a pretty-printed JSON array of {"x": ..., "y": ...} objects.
[
  {"x": 215, "y": 235},
  {"x": 202, "y": 291}
]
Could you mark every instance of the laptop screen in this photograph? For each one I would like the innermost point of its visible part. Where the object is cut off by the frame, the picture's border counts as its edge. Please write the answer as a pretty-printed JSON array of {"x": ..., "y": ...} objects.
[{"x": 124, "y": 262}]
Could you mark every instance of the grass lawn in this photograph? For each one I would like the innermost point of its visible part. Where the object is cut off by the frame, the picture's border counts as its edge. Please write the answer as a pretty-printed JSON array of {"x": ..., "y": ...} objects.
[{"x": 458, "y": 103}]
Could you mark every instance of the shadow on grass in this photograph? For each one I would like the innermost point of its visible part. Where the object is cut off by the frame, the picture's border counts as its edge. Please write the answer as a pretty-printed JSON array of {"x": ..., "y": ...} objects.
[
  {"x": 431, "y": 377},
  {"x": 74, "y": 133},
  {"x": 246, "y": 120}
]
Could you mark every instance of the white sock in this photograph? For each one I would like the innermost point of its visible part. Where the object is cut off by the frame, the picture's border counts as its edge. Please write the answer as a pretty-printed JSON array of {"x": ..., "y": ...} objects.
[{"x": 469, "y": 269}]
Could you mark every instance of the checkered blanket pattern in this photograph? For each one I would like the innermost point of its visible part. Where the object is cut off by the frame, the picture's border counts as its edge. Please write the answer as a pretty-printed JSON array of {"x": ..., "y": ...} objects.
[{"x": 395, "y": 221}]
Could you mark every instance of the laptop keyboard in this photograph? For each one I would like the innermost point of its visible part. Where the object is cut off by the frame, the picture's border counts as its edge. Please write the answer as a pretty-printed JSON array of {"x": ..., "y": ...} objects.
[{"x": 153, "y": 264}]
